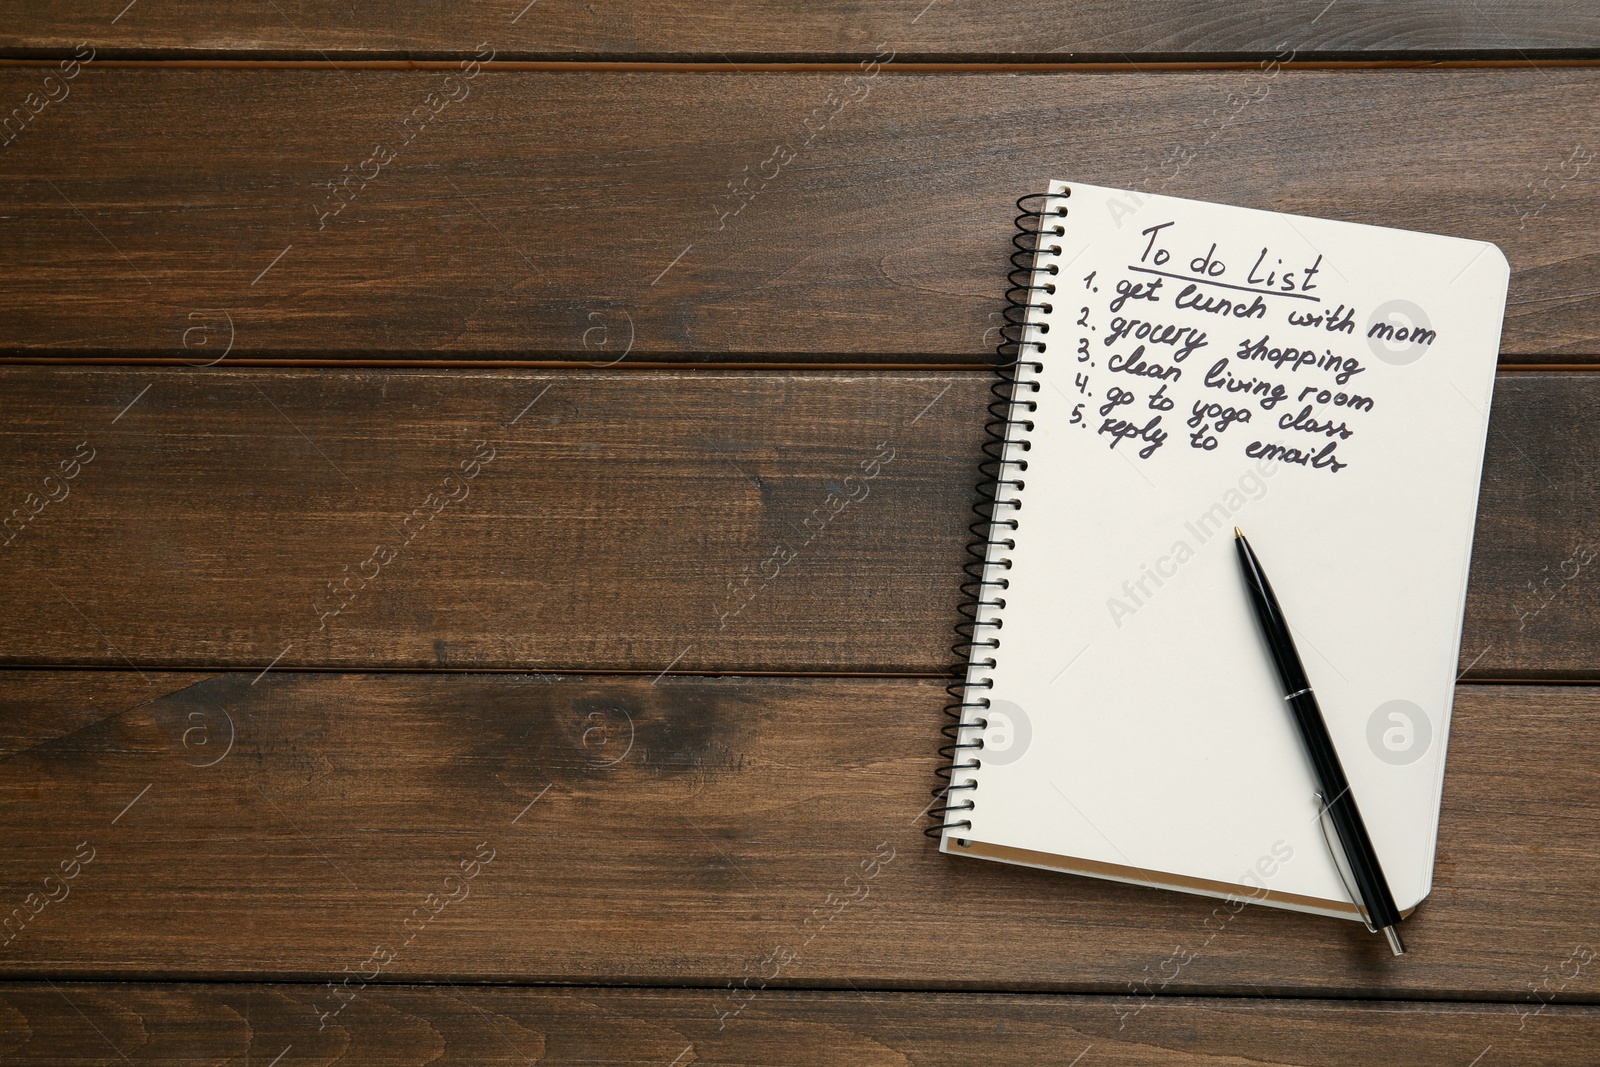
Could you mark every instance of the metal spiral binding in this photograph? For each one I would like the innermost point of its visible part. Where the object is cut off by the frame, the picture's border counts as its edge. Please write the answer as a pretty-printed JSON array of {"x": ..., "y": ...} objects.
[{"x": 1019, "y": 337}]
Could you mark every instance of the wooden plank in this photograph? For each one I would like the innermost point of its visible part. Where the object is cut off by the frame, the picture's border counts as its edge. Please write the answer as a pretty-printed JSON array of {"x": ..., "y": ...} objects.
[
  {"x": 1536, "y": 552},
  {"x": 833, "y": 29},
  {"x": 627, "y": 521},
  {"x": 633, "y": 521},
  {"x": 694, "y": 831},
  {"x": 180, "y": 1025},
  {"x": 784, "y": 217}
]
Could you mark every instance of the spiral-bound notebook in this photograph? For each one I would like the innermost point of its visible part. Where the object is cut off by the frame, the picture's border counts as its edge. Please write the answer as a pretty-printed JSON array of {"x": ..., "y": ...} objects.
[{"x": 1176, "y": 369}]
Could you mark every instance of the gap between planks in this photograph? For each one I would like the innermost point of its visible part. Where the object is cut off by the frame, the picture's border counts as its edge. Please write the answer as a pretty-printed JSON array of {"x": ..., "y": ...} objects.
[
  {"x": 1578, "y": 1003},
  {"x": 825, "y": 66},
  {"x": 1532, "y": 680},
  {"x": 691, "y": 363}
]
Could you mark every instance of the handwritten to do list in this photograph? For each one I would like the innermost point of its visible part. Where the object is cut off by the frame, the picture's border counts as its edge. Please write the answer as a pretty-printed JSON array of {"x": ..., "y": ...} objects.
[{"x": 1189, "y": 336}]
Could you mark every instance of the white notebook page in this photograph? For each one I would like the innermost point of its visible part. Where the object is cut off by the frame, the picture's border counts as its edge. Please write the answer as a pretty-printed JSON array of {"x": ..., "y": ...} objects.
[{"x": 1326, "y": 387}]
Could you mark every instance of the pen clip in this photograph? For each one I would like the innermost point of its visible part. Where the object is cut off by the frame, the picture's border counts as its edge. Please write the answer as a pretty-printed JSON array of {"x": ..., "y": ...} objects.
[{"x": 1341, "y": 862}]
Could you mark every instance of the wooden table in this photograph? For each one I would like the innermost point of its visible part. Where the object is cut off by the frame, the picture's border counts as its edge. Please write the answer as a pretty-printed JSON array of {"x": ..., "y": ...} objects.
[{"x": 404, "y": 405}]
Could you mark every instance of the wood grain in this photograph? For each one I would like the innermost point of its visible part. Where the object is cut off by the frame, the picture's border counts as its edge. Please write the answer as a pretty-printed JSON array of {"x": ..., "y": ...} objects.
[
  {"x": 627, "y": 521},
  {"x": 692, "y": 831},
  {"x": 183, "y": 1025},
  {"x": 832, "y": 29},
  {"x": 1537, "y": 522},
  {"x": 168, "y": 213}
]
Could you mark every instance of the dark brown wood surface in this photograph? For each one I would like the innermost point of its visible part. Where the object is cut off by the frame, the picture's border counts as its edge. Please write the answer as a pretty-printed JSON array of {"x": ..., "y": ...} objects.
[
  {"x": 69, "y": 1024},
  {"x": 835, "y": 29},
  {"x": 627, "y": 520},
  {"x": 287, "y": 771},
  {"x": 687, "y": 831},
  {"x": 587, "y": 215}
]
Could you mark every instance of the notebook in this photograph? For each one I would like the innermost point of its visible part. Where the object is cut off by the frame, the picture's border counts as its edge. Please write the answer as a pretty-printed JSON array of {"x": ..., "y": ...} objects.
[{"x": 1176, "y": 369}]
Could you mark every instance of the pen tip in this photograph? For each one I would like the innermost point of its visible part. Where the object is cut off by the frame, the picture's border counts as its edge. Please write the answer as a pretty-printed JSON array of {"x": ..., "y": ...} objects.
[{"x": 1238, "y": 532}]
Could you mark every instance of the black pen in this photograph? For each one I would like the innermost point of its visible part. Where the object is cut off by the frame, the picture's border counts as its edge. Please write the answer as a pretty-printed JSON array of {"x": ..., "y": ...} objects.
[{"x": 1352, "y": 849}]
